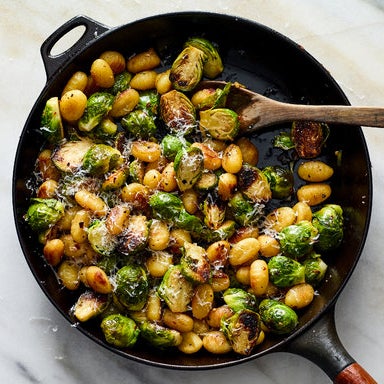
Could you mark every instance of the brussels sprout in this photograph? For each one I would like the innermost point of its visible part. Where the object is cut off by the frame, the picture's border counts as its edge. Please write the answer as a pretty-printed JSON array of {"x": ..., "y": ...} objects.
[
  {"x": 285, "y": 272},
  {"x": 188, "y": 165},
  {"x": 238, "y": 299},
  {"x": 135, "y": 236},
  {"x": 242, "y": 330},
  {"x": 280, "y": 180},
  {"x": 214, "y": 210},
  {"x": 178, "y": 112},
  {"x": 98, "y": 105},
  {"x": 139, "y": 123},
  {"x": 159, "y": 336},
  {"x": 296, "y": 240},
  {"x": 187, "y": 69},
  {"x": 243, "y": 211},
  {"x": 69, "y": 156},
  {"x": 175, "y": 289},
  {"x": 329, "y": 223},
  {"x": 188, "y": 222},
  {"x": 105, "y": 131},
  {"x": 254, "y": 184},
  {"x": 43, "y": 213},
  {"x": 194, "y": 263},
  {"x": 51, "y": 124},
  {"x": 315, "y": 269},
  {"x": 120, "y": 331},
  {"x": 132, "y": 287},
  {"x": 136, "y": 171},
  {"x": 122, "y": 81},
  {"x": 219, "y": 123},
  {"x": 101, "y": 240},
  {"x": 213, "y": 64},
  {"x": 225, "y": 231},
  {"x": 207, "y": 182},
  {"x": 165, "y": 206},
  {"x": 277, "y": 317},
  {"x": 101, "y": 158},
  {"x": 116, "y": 179},
  {"x": 172, "y": 144},
  {"x": 284, "y": 141},
  {"x": 149, "y": 101},
  {"x": 90, "y": 304}
]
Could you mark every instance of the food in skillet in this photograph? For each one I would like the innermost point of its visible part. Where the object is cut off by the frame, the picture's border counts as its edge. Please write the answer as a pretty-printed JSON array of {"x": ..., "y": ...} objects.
[{"x": 150, "y": 205}]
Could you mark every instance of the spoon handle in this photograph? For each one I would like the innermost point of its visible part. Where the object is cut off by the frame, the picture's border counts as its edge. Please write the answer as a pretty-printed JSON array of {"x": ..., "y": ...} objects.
[{"x": 366, "y": 116}]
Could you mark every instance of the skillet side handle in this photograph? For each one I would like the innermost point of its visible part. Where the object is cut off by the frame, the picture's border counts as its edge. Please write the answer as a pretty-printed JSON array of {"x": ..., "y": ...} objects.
[
  {"x": 321, "y": 345},
  {"x": 93, "y": 30}
]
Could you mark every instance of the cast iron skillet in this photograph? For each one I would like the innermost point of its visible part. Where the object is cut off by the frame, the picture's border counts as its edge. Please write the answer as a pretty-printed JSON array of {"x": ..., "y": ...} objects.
[{"x": 270, "y": 64}]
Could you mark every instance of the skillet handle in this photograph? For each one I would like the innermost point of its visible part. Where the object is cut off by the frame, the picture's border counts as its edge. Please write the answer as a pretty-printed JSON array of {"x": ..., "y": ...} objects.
[
  {"x": 93, "y": 30},
  {"x": 321, "y": 345}
]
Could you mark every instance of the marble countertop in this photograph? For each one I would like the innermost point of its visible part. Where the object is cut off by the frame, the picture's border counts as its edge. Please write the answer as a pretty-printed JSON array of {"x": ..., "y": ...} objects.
[{"x": 37, "y": 344}]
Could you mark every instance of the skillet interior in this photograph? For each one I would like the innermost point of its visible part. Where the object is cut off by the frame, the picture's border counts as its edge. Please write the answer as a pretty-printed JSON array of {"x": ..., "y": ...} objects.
[{"x": 266, "y": 62}]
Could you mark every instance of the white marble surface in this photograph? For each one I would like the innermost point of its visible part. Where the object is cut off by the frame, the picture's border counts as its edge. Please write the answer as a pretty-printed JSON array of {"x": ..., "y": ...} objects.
[{"x": 37, "y": 345}]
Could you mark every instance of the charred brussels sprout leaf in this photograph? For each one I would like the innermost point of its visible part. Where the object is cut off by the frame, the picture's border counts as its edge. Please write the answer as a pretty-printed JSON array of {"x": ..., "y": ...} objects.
[
  {"x": 120, "y": 331},
  {"x": 132, "y": 287},
  {"x": 100, "y": 238},
  {"x": 149, "y": 101},
  {"x": 101, "y": 158},
  {"x": 284, "y": 141},
  {"x": 139, "y": 123},
  {"x": 187, "y": 69},
  {"x": 188, "y": 165},
  {"x": 178, "y": 112},
  {"x": 219, "y": 123},
  {"x": 43, "y": 213},
  {"x": 175, "y": 289},
  {"x": 277, "y": 317},
  {"x": 172, "y": 144},
  {"x": 213, "y": 64},
  {"x": 194, "y": 263},
  {"x": 296, "y": 240},
  {"x": 242, "y": 330},
  {"x": 254, "y": 184},
  {"x": 51, "y": 124},
  {"x": 285, "y": 272},
  {"x": 159, "y": 336},
  {"x": 329, "y": 223},
  {"x": 280, "y": 180},
  {"x": 238, "y": 299},
  {"x": 98, "y": 105}
]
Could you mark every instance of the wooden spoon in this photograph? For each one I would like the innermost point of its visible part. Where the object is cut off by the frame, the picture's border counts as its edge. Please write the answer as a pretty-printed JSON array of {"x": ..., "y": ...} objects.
[{"x": 256, "y": 111}]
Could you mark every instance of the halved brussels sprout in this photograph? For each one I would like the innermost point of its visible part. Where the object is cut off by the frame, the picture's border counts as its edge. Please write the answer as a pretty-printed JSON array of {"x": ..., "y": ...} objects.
[
  {"x": 122, "y": 81},
  {"x": 43, "y": 213},
  {"x": 116, "y": 179},
  {"x": 132, "y": 287},
  {"x": 165, "y": 206},
  {"x": 238, "y": 299},
  {"x": 280, "y": 180},
  {"x": 213, "y": 64},
  {"x": 194, "y": 263},
  {"x": 285, "y": 272},
  {"x": 135, "y": 236},
  {"x": 98, "y": 105},
  {"x": 242, "y": 330},
  {"x": 120, "y": 331},
  {"x": 277, "y": 317},
  {"x": 160, "y": 336},
  {"x": 90, "y": 304},
  {"x": 296, "y": 240},
  {"x": 175, "y": 289},
  {"x": 149, "y": 101},
  {"x": 69, "y": 156},
  {"x": 101, "y": 158},
  {"x": 172, "y": 144},
  {"x": 219, "y": 123},
  {"x": 100, "y": 238},
  {"x": 214, "y": 210},
  {"x": 51, "y": 124},
  {"x": 315, "y": 269},
  {"x": 329, "y": 223},
  {"x": 190, "y": 223},
  {"x": 243, "y": 211},
  {"x": 178, "y": 112},
  {"x": 254, "y": 184},
  {"x": 207, "y": 182},
  {"x": 187, "y": 69},
  {"x": 188, "y": 165},
  {"x": 140, "y": 124}
]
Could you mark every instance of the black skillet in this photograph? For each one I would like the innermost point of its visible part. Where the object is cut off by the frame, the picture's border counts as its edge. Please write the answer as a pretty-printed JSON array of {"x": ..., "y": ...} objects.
[{"x": 270, "y": 64}]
